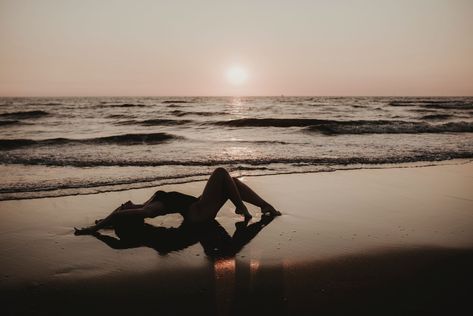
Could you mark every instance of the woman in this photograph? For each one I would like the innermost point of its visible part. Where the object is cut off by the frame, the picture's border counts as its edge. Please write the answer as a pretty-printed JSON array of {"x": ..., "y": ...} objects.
[{"x": 219, "y": 188}]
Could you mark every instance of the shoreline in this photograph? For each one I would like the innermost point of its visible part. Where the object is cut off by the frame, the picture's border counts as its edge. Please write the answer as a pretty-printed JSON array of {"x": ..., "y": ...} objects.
[
  {"x": 370, "y": 241},
  {"x": 327, "y": 169}
]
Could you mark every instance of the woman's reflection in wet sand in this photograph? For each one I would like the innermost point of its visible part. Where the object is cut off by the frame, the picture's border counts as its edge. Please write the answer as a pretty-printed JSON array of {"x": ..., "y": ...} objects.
[{"x": 215, "y": 240}]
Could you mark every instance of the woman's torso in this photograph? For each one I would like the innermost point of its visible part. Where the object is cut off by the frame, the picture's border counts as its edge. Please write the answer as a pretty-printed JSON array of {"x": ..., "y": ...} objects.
[{"x": 175, "y": 202}]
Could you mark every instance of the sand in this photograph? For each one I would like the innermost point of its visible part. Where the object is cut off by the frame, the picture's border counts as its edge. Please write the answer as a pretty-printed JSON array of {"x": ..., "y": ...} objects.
[{"x": 380, "y": 241}]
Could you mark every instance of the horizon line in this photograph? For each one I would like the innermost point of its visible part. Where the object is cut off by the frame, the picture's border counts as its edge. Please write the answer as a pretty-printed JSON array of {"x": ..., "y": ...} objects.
[{"x": 237, "y": 96}]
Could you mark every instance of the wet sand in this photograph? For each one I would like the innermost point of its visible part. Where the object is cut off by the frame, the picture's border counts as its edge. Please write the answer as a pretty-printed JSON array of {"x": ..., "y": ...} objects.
[{"x": 391, "y": 241}]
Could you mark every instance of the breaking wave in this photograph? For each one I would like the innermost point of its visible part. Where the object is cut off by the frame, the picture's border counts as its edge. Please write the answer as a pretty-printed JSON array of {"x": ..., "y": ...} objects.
[
  {"x": 122, "y": 105},
  {"x": 125, "y": 139},
  {"x": 175, "y": 101},
  {"x": 390, "y": 127},
  {"x": 435, "y": 104},
  {"x": 434, "y": 117},
  {"x": 24, "y": 114},
  {"x": 154, "y": 122},
  {"x": 184, "y": 113},
  {"x": 271, "y": 122},
  {"x": 325, "y": 161},
  {"x": 333, "y": 127},
  {"x": 9, "y": 122}
]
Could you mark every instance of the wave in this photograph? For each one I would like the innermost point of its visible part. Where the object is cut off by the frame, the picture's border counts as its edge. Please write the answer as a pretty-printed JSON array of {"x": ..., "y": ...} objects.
[
  {"x": 45, "y": 187},
  {"x": 458, "y": 105},
  {"x": 41, "y": 189},
  {"x": 131, "y": 139},
  {"x": 122, "y": 105},
  {"x": 390, "y": 127},
  {"x": 118, "y": 116},
  {"x": 295, "y": 161},
  {"x": 24, "y": 114},
  {"x": 270, "y": 122},
  {"x": 423, "y": 110},
  {"x": 173, "y": 105},
  {"x": 175, "y": 101},
  {"x": 154, "y": 122},
  {"x": 435, "y": 104},
  {"x": 184, "y": 113},
  {"x": 332, "y": 127},
  {"x": 9, "y": 122},
  {"x": 259, "y": 142},
  {"x": 125, "y": 139},
  {"x": 45, "y": 103},
  {"x": 436, "y": 116}
]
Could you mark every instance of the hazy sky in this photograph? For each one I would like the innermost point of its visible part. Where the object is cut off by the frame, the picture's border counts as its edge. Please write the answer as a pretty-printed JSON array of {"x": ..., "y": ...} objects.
[{"x": 141, "y": 47}]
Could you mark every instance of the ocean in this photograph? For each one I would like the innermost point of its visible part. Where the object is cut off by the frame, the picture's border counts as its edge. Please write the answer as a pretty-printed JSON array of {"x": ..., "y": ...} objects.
[{"x": 82, "y": 145}]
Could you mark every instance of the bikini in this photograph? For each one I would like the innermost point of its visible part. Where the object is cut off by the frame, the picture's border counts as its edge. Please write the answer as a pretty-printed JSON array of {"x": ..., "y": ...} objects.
[{"x": 175, "y": 202}]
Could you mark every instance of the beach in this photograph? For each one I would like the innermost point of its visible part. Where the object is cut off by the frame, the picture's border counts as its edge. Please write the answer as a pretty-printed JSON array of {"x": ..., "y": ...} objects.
[
  {"x": 347, "y": 124},
  {"x": 366, "y": 241}
]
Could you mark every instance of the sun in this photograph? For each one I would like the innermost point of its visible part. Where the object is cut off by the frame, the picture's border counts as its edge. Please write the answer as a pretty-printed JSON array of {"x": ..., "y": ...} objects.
[{"x": 237, "y": 75}]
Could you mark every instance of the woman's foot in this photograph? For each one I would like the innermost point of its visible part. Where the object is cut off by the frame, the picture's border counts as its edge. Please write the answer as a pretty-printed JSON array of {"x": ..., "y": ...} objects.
[
  {"x": 243, "y": 211},
  {"x": 241, "y": 225},
  {"x": 269, "y": 209},
  {"x": 128, "y": 204}
]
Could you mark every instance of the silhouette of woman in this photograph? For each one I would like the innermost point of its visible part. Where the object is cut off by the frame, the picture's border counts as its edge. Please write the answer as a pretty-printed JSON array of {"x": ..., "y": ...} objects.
[{"x": 219, "y": 188}]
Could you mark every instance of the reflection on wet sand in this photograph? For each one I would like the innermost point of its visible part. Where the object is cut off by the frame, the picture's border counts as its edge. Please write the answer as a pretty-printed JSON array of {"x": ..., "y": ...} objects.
[
  {"x": 224, "y": 270},
  {"x": 215, "y": 240}
]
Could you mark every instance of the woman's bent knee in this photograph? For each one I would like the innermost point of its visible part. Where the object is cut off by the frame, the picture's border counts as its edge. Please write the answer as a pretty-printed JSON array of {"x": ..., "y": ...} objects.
[{"x": 220, "y": 170}]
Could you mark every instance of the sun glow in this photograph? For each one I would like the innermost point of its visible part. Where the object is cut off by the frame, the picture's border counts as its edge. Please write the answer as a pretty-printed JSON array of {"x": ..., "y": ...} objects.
[{"x": 236, "y": 75}]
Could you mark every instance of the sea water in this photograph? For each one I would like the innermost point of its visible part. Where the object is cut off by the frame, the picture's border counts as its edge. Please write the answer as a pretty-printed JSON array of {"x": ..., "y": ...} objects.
[{"x": 81, "y": 145}]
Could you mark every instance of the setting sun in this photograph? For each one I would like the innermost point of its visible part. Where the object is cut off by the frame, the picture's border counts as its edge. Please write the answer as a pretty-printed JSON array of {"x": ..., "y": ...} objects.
[{"x": 237, "y": 75}]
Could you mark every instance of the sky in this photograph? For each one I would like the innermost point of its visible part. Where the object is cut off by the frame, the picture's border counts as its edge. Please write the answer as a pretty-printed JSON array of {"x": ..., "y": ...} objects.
[{"x": 275, "y": 47}]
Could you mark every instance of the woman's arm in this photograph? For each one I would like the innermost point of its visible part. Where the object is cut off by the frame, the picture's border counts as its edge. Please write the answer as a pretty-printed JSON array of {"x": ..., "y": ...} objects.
[{"x": 149, "y": 210}]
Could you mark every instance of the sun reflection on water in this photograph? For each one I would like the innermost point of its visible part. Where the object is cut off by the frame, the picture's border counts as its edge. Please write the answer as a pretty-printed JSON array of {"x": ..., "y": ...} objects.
[{"x": 238, "y": 106}]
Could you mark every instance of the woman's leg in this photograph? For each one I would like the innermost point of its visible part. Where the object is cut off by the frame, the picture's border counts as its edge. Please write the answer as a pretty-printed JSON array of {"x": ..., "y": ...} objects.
[
  {"x": 250, "y": 196},
  {"x": 219, "y": 188},
  {"x": 100, "y": 223}
]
